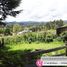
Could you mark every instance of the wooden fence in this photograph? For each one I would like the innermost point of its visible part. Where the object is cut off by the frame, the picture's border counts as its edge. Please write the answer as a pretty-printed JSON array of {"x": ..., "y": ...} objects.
[
  {"x": 32, "y": 62},
  {"x": 41, "y": 51}
]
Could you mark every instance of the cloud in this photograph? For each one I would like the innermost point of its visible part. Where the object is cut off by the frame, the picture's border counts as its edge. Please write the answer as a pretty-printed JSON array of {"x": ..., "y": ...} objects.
[{"x": 42, "y": 10}]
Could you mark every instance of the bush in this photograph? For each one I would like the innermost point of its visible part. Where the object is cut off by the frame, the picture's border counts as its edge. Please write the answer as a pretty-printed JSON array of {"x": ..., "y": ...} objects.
[
  {"x": 1, "y": 30},
  {"x": 30, "y": 37},
  {"x": 59, "y": 39},
  {"x": 64, "y": 36},
  {"x": 13, "y": 58},
  {"x": 7, "y": 31},
  {"x": 49, "y": 40}
]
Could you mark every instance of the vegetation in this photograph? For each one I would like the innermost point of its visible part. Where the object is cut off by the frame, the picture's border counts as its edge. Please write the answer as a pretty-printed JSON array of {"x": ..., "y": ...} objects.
[
  {"x": 13, "y": 52},
  {"x": 17, "y": 28},
  {"x": 6, "y": 8},
  {"x": 47, "y": 26},
  {"x": 14, "y": 47}
]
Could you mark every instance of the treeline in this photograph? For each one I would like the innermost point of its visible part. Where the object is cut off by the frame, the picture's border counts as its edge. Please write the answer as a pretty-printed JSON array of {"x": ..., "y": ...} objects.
[
  {"x": 10, "y": 29},
  {"x": 54, "y": 24},
  {"x": 47, "y": 26},
  {"x": 42, "y": 26}
]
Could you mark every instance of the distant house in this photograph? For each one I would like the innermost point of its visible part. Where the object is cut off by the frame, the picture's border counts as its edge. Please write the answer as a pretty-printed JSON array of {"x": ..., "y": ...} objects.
[
  {"x": 61, "y": 29},
  {"x": 23, "y": 32}
]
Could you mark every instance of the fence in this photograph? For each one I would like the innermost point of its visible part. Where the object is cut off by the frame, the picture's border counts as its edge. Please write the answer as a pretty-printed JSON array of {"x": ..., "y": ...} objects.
[{"x": 40, "y": 51}]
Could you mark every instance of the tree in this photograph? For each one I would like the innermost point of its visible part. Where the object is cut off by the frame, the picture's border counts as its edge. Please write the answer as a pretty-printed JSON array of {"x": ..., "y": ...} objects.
[
  {"x": 59, "y": 23},
  {"x": 6, "y": 8},
  {"x": 48, "y": 26},
  {"x": 17, "y": 28},
  {"x": 54, "y": 24},
  {"x": 7, "y": 31}
]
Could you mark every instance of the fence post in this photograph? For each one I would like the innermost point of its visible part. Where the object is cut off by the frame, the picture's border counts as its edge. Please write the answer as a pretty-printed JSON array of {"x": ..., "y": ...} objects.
[{"x": 66, "y": 47}]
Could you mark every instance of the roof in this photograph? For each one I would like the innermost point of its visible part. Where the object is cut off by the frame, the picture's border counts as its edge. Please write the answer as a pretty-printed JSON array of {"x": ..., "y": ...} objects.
[
  {"x": 24, "y": 31},
  {"x": 62, "y": 27}
]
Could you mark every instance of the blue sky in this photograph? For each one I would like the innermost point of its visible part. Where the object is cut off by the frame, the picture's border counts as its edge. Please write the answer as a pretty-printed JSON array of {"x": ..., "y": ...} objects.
[{"x": 41, "y": 10}]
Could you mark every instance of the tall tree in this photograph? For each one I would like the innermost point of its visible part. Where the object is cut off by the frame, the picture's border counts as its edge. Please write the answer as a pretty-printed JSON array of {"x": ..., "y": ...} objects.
[{"x": 7, "y": 8}]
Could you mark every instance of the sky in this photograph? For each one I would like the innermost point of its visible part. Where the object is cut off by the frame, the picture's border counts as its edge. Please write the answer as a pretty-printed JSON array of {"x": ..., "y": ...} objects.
[{"x": 41, "y": 10}]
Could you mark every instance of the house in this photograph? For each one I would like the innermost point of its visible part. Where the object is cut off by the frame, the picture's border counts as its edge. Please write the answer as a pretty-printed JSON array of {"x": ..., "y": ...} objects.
[
  {"x": 61, "y": 29},
  {"x": 23, "y": 32}
]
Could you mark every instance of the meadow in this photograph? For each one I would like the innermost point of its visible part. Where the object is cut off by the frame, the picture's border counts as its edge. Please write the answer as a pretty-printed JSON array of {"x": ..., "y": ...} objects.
[{"x": 35, "y": 45}]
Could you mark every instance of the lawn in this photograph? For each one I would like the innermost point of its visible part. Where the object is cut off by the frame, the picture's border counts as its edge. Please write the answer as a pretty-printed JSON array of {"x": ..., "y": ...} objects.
[{"x": 35, "y": 45}]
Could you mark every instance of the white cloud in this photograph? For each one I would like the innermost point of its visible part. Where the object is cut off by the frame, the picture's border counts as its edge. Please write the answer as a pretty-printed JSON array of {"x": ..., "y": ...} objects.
[{"x": 42, "y": 10}]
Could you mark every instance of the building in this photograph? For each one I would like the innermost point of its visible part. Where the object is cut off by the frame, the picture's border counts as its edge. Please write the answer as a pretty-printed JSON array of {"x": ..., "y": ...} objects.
[
  {"x": 60, "y": 30},
  {"x": 23, "y": 32}
]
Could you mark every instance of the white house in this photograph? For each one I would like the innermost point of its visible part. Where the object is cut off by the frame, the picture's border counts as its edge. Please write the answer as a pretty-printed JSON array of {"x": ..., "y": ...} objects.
[{"x": 24, "y": 31}]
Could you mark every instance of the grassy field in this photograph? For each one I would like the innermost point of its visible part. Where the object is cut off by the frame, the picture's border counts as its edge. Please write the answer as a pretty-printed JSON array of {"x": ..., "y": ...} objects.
[{"x": 35, "y": 45}]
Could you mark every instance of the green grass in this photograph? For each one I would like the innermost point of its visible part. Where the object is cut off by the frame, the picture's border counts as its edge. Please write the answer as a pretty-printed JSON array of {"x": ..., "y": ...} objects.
[{"x": 35, "y": 45}]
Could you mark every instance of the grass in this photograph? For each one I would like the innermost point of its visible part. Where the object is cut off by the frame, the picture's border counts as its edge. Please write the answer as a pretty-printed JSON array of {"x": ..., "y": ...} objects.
[{"x": 35, "y": 45}]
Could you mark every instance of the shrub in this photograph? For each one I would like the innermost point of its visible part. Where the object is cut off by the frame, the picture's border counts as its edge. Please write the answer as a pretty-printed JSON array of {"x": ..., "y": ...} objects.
[
  {"x": 49, "y": 40},
  {"x": 59, "y": 39},
  {"x": 64, "y": 36},
  {"x": 31, "y": 37}
]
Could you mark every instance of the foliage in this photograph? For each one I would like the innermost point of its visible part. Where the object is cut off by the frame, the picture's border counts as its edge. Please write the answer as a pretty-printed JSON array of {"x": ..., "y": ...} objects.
[
  {"x": 7, "y": 31},
  {"x": 16, "y": 47},
  {"x": 16, "y": 28},
  {"x": 1, "y": 30},
  {"x": 46, "y": 26},
  {"x": 63, "y": 33},
  {"x": 30, "y": 38},
  {"x": 7, "y": 6},
  {"x": 64, "y": 36},
  {"x": 12, "y": 58},
  {"x": 54, "y": 24}
]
